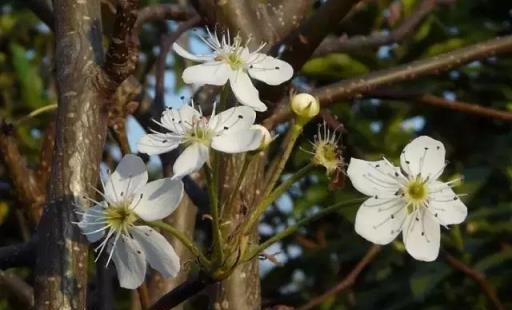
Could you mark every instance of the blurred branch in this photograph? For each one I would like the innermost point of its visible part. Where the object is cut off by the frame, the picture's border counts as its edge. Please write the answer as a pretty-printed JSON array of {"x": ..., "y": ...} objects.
[
  {"x": 18, "y": 255},
  {"x": 122, "y": 54},
  {"x": 301, "y": 45},
  {"x": 24, "y": 179},
  {"x": 165, "y": 45},
  {"x": 357, "y": 86},
  {"x": 158, "y": 12},
  {"x": 181, "y": 293},
  {"x": 477, "y": 276},
  {"x": 409, "y": 24},
  {"x": 41, "y": 9},
  {"x": 15, "y": 286},
  {"x": 459, "y": 106},
  {"x": 348, "y": 281}
]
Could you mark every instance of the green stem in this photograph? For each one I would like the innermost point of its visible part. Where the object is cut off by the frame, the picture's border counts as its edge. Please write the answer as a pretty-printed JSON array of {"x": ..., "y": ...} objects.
[
  {"x": 278, "y": 166},
  {"x": 247, "y": 160},
  {"x": 292, "y": 229},
  {"x": 268, "y": 199},
  {"x": 212, "y": 183},
  {"x": 189, "y": 244}
]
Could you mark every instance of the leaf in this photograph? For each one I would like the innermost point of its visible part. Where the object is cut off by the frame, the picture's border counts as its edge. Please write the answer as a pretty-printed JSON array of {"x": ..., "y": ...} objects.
[
  {"x": 424, "y": 281},
  {"x": 334, "y": 66},
  {"x": 494, "y": 260},
  {"x": 445, "y": 46},
  {"x": 31, "y": 85}
]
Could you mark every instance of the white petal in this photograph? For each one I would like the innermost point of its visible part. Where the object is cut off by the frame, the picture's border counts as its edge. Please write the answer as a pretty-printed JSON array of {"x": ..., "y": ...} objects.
[
  {"x": 239, "y": 141},
  {"x": 268, "y": 69},
  {"x": 380, "y": 220},
  {"x": 373, "y": 177},
  {"x": 245, "y": 92},
  {"x": 179, "y": 121},
  {"x": 158, "y": 143},
  {"x": 446, "y": 205},
  {"x": 90, "y": 226},
  {"x": 422, "y": 235},
  {"x": 211, "y": 73},
  {"x": 185, "y": 54},
  {"x": 232, "y": 120},
  {"x": 424, "y": 156},
  {"x": 159, "y": 199},
  {"x": 190, "y": 160},
  {"x": 159, "y": 253},
  {"x": 129, "y": 176},
  {"x": 130, "y": 262}
]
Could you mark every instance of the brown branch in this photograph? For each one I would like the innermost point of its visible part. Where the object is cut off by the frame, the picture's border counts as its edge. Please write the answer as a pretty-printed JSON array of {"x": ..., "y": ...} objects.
[
  {"x": 30, "y": 193},
  {"x": 300, "y": 46},
  {"x": 159, "y": 12},
  {"x": 181, "y": 293},
  {"x": 15, "y": 286},
  {"x": 122, "y": 54},
  {"x": 409, "y": 24},
  {"x": 353, "y": 87},
  {"x": 477, "y": 276},
  {"x": 459, "y": 106},
  {"x": 348, "y": 281}
]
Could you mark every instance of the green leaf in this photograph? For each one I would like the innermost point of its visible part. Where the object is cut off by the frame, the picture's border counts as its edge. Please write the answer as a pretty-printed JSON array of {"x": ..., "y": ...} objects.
[
  {"x": 334, "y": 66},
  {"x": 424, "y": 281},
  {"x": 31, "y": 85}
]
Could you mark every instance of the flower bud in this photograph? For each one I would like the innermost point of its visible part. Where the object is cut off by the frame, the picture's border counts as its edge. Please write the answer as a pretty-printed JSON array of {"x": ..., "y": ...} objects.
[
  {"x": 266, "y": 136},
  {"x": 305, "y": 106}
]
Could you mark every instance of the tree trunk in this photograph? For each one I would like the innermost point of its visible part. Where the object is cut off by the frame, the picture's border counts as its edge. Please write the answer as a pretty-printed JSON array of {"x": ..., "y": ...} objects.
[{"x": 61, "y": 272}]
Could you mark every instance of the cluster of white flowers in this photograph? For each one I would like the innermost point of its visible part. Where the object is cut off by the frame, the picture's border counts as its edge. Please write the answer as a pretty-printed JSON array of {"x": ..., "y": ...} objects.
[{"x": 408, "y": 200}]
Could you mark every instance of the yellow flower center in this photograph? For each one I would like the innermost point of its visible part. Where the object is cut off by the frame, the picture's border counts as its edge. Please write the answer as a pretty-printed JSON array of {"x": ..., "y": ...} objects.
[
  {"x": 120, "y": 216},
  {"x": 326, "y": 155},
  {"x": 199, "y": 134},
  {"x": 416, "y": 193}
]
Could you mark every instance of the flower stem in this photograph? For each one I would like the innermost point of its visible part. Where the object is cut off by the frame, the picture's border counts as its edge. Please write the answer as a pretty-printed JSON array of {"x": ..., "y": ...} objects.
[
  {"x": 277, "y": 167},
  {"x": 292, "y": 229},
  {"x": 247, "y": 160},
  {"x": 189, "y": 244},
  {"x": 268, "y": 199},
  {"x": 212, "y": 183}
]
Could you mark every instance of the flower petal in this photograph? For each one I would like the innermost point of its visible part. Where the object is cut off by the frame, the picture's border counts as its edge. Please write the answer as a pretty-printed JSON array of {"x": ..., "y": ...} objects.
[
  {"x": 91, "y": 225},
  {"x": 422, "y": 235},
  {"x": 211, "y": 73},
  {"x": 373, "y": 177},
  {"x": 239, "y": 141},
  {"x": 129, "y": 176},
  {"x": 186, "y": 54},
  {"x": 380, "y": 220},
  {"x": 446, "y": 205},
  {"x": 179, "y": 120},
  {"x": 158, "y": 199},
  {"x": 190, "y": 160},
  {"x": 232, "y": 120},
  {"x": 269, "y": 70},
  {"x": 130, "y": 262},
  {"x": 245, "y": 92},
  {"x": 424, "y": 156},
  {"x": 159, "y": 252},
  {"x": 157, "y": 143}
]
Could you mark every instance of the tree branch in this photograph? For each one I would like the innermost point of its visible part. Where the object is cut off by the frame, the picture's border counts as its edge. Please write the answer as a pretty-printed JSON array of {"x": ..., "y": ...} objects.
[
  {"x": 350, "y": 88},
  {"x": 409, "y": 24},
  {"x": 348, "y": 281},
  {"x": 303, "y": 43},
  {"x": 477, "y": 276},
  {"x": 122, "y": 54},
  {"x": 15, "y": 286},
  {"x": 182, "y": 292},
  {"x": 459, "y": 106},
  {"x": 158, "y": 12}
]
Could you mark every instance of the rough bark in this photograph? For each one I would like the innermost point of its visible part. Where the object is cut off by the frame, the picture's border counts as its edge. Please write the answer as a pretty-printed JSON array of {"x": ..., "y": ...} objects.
[{"x": 61, "y": 271}]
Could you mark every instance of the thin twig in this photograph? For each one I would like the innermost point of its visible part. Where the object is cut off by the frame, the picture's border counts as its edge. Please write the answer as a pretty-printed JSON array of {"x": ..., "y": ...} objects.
[
  {"x": 348, "y": 281},
  {"x": 406, "y": 28},
  {"x": 181, "y": 293},
  {"x": 157, "y": 12},
  {"x": 15, "y": 286},
  {"x": 477, "y": 276},
  {"x": 353, "y": 87},
  {"x": 455, "y": 105}
]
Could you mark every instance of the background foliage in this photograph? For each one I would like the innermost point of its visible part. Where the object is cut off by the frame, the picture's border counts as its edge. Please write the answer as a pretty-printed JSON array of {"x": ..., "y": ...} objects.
[{"x": 319, "y": 256}]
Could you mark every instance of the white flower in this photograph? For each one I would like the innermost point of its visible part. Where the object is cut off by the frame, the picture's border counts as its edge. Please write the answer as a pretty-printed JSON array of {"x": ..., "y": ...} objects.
[
  {"x": 229, "y": 131},
  {"x": 128, "y": 199},
  {"x": 232, "y": 61},
  {"x": 410, "y": 200}
]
